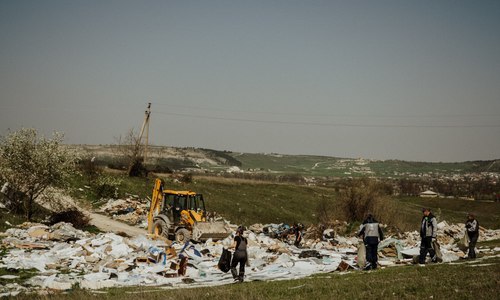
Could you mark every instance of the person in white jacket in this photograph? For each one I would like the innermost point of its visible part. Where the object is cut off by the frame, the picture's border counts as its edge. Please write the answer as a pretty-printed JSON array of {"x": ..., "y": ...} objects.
[
  {"x": 372, "y": 235},
  {"x": 428, "y": 229}
]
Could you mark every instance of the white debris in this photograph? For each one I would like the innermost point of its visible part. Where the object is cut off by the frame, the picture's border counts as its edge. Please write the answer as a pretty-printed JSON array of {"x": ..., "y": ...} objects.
[
  {"x": 9, "y": 277},
  {"x": 65, "y": 256}
]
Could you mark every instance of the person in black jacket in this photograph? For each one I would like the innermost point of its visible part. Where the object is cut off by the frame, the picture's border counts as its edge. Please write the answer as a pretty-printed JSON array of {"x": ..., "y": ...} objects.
[
  {"x": 472, "y": 227},
  {"x": 297, "y": 230},
  {"x": 372, "y": 235},
  {"x": 240, "y": 254},
  {"x": 428, "y": 233}
]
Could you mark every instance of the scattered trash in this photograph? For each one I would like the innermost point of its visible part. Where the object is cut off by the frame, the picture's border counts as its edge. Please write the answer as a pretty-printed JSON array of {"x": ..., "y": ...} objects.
[
  {"x": 65, "y": 256},
  {"x": 131, "y": 211}
]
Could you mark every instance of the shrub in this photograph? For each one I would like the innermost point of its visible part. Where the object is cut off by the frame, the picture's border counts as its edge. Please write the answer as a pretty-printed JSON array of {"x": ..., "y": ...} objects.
[
  {"x": 363, "y": 196},
  {"x": 106, "y": 187},
  {"x": 187, "y": 178},
  {"x": 30, "y": 164},
  {"x": 90, "y": 169},
  {"x": 73, "y": 216}
]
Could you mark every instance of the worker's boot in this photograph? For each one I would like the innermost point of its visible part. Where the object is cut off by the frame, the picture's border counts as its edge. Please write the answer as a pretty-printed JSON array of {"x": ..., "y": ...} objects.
[
  {"x": 234, "y": 273},
  {"x": 241, "y": 277}
]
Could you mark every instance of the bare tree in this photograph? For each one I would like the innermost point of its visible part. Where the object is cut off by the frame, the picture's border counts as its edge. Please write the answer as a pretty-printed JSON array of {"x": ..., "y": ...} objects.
[
  {"x": 130, "y": 148},
  {"x": 362, "y": 196},
  {"x": 29, "y": 164},
  {"x": 325, "y": 210}
]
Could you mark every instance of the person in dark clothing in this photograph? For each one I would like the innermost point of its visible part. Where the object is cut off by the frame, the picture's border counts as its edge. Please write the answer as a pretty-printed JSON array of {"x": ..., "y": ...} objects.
[
  {"x": 472, "y": 227},
  {"x": 372, "y": 235},
  {"x": 297, "y": 230},
  {"x": 428, "y": 228},
  {"x": 240, "y": 254}
]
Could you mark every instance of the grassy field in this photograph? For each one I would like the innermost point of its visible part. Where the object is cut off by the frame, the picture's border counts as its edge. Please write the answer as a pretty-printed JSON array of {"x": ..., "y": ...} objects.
[
  {"x": 454, "y": 210},
  {"x": 248, "y": 202},
  {"x": 477, "y": 280}
]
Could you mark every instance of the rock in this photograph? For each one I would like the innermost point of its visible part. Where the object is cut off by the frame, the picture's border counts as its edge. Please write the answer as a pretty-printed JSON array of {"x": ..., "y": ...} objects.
[
  {"x": 40, "y": 231},
  {"x": 92, "y": 259}
]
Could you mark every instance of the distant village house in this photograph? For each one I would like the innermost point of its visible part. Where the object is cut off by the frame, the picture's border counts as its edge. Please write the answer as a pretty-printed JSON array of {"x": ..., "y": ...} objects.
[{"x": 428, "y": 194}]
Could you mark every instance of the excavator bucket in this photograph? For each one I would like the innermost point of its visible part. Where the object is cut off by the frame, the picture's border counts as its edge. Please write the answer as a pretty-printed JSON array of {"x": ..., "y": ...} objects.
[{"x": 203, "y": 231}]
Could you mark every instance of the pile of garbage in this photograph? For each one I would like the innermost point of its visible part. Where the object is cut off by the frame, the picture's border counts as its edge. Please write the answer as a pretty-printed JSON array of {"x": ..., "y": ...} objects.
[
  {"x": 130, "y": 210},
  {"x": 65, "y": 257}
]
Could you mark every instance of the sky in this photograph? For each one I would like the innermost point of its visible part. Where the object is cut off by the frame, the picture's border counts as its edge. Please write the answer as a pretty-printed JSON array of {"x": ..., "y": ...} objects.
[{"x": 409, "y": 80}]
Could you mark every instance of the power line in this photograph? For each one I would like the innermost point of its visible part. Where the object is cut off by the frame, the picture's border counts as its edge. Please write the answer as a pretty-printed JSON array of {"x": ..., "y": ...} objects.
[
  {"x": 322, "y": 123},
  {"x": 326, "y": 115}
]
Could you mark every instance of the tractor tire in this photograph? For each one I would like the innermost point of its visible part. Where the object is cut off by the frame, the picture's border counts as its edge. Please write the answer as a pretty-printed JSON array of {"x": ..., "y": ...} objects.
[
  {"x": 160, "y": 228},
  {"x": 182, "y": 236}
]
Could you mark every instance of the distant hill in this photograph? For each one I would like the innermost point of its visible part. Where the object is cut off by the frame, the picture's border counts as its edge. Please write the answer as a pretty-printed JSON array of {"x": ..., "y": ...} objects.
[{"x": 209, "y": 160}]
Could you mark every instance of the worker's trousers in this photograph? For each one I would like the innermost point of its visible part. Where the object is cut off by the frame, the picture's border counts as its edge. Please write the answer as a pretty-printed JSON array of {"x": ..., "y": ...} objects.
[
  {"x": 472, "y": 245},
  {"x": 371, "y": 244},
  {"x": 426, "y": 246},
  {"x": 239, "y": 257}
]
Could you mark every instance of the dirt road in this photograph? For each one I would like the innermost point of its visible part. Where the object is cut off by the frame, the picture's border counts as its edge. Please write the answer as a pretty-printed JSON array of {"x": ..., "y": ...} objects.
[
  {"x": 103, "y": 222},
  {"x": 107, "y": 224}
]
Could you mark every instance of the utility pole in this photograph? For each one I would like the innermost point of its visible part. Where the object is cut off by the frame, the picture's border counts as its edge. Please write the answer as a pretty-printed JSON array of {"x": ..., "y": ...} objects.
[{"x": 145, "y": 131}]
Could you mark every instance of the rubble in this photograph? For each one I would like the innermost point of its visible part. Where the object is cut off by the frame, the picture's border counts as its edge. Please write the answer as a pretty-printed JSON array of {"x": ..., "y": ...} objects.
[
  {"x": 130, "y": 211},
  {"x": 65, "y": 257}
]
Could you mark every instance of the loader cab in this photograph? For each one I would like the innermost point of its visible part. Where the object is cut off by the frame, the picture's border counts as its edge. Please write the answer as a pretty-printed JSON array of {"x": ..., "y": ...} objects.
[
  {"x": 196, "y": 203},
  {"x": 175, "y": 202}
]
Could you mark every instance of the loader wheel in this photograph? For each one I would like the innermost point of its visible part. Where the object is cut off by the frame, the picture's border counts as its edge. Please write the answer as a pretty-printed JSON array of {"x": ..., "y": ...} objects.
[
  {"x": 182, "y": 236},
  {"x": 160, "y": 228}
]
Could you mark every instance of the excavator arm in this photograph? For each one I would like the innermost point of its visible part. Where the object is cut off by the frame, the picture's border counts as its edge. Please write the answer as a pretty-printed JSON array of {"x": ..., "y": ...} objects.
[{"x": 156, "y": 201}]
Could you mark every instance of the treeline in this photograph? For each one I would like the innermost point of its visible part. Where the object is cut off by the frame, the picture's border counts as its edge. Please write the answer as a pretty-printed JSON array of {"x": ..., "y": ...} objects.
[
  {"x": 479, "y": 188},
  {"x": 482, "y": 187}
]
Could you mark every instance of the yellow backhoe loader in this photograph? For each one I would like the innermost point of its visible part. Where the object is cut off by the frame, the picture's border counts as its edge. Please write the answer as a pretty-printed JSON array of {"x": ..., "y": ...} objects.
[{"x": 181, "y": 215}]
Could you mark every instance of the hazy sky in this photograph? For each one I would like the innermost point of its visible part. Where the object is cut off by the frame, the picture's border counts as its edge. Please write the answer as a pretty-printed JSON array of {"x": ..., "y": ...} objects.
[{"x": 412, "y": 80}]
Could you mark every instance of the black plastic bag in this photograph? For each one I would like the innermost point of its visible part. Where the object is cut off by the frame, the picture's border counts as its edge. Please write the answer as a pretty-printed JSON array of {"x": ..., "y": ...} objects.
[{"x": 225, "y": 261}]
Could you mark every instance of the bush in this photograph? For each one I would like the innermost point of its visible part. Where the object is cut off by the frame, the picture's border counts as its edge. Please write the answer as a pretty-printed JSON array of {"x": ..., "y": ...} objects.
[
  {"x": 137, "y": 168},
  {"x": 90, "y": 169},
  {"x": 187, "y": 178},
  {"x": 325, "y": 211},
  {"x": 363, "y": 196},
  {"x": 106, "y": 187},
  {"x": 73, "y": 216},
  {"x": 31, "y": 163}
]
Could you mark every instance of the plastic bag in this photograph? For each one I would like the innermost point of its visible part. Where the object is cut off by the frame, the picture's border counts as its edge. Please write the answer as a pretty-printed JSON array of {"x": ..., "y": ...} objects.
[
  {"x": 361, "y": 255},
  {"x": 437, "y": 248},
  {"x": 225, "y": 261},
  {"x": 463, "y": 244}
]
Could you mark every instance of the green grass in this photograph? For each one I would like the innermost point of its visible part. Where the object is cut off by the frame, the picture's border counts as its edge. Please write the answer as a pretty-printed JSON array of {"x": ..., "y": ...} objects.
[
  {"x": 128, "y": 186},
  {"x": 489, "y": 244},
  {"x": 453, "y": 210},
  {"x": 10, "y": 218},
  {"x": 248, "y": 202},
  {"x": 23, "y": 274},
  {"x": 442, "y": 281},
  {"x": 92, "y": 229}
]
